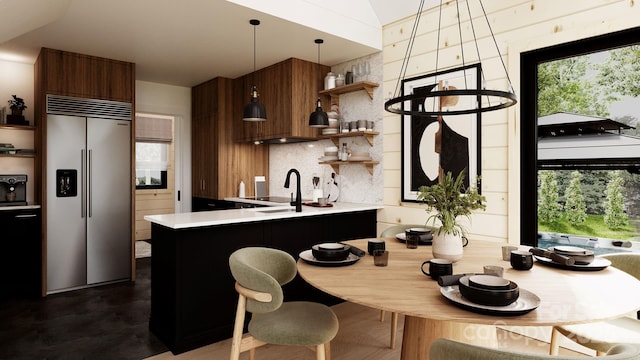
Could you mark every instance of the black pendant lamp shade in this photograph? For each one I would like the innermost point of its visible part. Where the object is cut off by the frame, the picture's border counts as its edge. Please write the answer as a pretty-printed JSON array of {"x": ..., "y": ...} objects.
[
  {"x": 254, "y": 110},
  {"x": 319, "y": 118}
]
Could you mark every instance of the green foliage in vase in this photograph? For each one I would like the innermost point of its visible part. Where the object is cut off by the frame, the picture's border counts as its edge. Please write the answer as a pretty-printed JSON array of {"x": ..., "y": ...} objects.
[
  {"x": 17, "y": 103},
  {"x": 450, "y": 199}
]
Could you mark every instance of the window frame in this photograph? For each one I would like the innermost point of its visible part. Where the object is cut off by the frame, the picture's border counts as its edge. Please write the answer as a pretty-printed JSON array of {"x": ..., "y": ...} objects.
[{"x": 529, "y": 62}]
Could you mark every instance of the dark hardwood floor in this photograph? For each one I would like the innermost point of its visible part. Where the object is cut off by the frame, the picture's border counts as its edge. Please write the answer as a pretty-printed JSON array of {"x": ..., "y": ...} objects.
[{"x": 107, "y": 322}]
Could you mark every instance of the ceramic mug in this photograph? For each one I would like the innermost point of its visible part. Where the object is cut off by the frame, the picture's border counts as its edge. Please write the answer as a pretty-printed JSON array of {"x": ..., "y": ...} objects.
[
  {"x": 375, "y": 244},
  {"x": 521, "y": 260},
  {"x": 437, "y": 268}
]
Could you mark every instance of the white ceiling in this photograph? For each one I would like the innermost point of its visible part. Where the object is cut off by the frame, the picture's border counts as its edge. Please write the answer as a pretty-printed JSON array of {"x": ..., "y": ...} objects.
[{"x": 186, "y": 42}]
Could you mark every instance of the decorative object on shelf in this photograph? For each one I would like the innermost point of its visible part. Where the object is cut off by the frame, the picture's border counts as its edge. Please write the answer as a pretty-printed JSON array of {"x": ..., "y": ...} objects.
[
  {"x": 450, "y": 199},
  {"x": 319, "y": 118},
  {"x": 254, "y": 110},
  {"x": 17, "y": 106},
  {"x": 493, "y": 99}
]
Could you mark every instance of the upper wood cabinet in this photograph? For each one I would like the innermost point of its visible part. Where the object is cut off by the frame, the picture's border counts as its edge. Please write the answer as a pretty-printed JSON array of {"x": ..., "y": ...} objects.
[
  {"x": 288, "y": 90},
  {"x": 70, "y": 74},
  {"x": 218, "y": 163}
]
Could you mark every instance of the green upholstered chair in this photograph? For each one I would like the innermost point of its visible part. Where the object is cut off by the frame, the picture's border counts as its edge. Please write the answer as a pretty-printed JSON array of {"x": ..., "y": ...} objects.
[
  {"x": 260, "y": 274},
  {"x": 444, "y": 349},
  {"x": 391, "y": 232},
  {"x": 600, "y": 336}
]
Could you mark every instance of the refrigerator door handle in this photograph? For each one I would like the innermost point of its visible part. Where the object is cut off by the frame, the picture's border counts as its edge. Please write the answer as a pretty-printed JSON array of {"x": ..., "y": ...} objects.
[
  {"x": 90, "y": 183},
  {"x": 83, "y": 193}
]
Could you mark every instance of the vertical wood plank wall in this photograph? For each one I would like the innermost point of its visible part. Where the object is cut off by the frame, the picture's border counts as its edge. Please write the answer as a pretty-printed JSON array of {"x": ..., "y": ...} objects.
[{"x": 519, "y": 26}]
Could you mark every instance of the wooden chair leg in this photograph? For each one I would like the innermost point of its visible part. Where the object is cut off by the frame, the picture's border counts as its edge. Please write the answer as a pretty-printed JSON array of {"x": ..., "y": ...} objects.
[
  {"x": 238, "y": 327},
  {"x": 382, "y": 312},
  {"x": 553, "y": 346},
  {"x": 252, "y": 354},
  {"x": 320, "y": 352},
  {"x": 394, "y": 329}
]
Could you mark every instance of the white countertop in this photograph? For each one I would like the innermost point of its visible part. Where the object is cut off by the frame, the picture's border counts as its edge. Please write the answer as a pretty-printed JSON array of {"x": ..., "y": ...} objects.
[
  {"x": 20, "y": 207},
  {"x": 222, "y": 217}
]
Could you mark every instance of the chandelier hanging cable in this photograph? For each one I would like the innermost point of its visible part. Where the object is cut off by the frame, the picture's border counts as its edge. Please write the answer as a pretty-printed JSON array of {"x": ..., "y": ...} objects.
[{"x": 495, "y": 99}]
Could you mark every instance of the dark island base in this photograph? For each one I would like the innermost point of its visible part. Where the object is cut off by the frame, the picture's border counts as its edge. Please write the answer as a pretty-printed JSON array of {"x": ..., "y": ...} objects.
[{"x": 193, "y": 300}]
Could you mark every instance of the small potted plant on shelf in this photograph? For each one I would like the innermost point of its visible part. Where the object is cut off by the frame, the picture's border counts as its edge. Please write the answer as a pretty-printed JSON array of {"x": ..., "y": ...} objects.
[
  {"x": 450, "y": 200},
  {"x": 17, "y": 105}
]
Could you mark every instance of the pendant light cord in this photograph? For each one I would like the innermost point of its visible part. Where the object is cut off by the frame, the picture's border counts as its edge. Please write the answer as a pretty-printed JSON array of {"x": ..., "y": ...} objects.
[{"x": 254, "y": 53}]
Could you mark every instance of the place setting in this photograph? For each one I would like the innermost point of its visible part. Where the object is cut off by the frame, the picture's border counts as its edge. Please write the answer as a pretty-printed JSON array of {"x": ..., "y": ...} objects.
[
  {"x": 486, "y": 293},
  {"x": 570, "y": 258},
  {"x": 422, "y": 234},
  {"x": 332, "y": 255}
]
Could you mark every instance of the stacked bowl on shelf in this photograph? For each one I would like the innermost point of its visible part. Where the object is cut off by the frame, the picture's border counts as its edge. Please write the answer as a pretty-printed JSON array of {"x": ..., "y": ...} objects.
[{"x": 334, "y": 124}]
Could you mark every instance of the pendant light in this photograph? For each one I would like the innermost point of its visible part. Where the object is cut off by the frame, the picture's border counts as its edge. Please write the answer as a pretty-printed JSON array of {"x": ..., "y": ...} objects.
[
  {"x": 254, "y": 110},
  {"x": 494, "y": 99},
  {"x": 319, "y": 118}
]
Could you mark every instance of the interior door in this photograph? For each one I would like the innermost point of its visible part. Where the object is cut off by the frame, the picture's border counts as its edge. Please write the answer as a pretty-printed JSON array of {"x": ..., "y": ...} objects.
[{"x": 109, "y": 200}]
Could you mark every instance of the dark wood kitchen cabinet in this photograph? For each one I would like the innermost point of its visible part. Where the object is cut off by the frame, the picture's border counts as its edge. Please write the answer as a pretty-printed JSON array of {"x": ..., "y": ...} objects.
[
  {"x": 218, "y": 163},
  {"x": 70, "y": 74},
  {"x": 193, "y": 301},
  {"x": 288, "y": 90},
  {"x": 21, "y": 259}
]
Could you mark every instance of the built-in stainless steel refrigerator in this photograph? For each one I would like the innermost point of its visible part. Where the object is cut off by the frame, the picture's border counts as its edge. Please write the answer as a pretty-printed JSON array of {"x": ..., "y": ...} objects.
[{"x": 88, "y": 201}]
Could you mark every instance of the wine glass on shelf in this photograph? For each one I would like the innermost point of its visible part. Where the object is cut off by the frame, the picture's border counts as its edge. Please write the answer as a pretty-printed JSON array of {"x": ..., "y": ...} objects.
[
  {"x": 356, "y": 73},
  {"x": 367, "y": 70}
]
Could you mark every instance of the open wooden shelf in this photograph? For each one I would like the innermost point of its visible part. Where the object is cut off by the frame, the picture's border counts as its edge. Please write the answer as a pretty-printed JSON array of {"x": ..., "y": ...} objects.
[
  {"x": 17, "y": 127},
  {"x": 335, "y": 93},
  {"x": 367, "y": 86},
  {"x": 18, "y": 155},
  {"x": 336, "y": 164},
  {"x": 369, "y": 135}
]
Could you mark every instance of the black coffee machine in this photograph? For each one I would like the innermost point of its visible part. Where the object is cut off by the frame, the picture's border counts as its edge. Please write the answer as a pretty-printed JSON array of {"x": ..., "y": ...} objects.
[{"x": 13, "y": 190}]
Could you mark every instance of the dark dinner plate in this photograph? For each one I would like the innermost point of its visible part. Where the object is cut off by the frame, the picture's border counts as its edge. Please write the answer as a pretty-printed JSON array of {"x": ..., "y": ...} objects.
[
  {"x": 597, "y": 264},
  {"x": 527, "y": 301},
  {"x": 307, "y": 257}
]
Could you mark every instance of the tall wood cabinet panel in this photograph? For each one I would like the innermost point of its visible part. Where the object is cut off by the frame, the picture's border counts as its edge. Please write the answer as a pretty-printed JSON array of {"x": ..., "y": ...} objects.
[
  {"x": 65, "y": 73},
  {"x": 288, "y": 90},
  {"x": 218, "y": 163}
]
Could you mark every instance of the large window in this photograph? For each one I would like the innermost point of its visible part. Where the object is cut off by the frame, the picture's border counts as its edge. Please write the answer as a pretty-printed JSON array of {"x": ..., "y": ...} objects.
[
  {"x": 580, "y": 147},
  {"x": 154, "y": 136}
]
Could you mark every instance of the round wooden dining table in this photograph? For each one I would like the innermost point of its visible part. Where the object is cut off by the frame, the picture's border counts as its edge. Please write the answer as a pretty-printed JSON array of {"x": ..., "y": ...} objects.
[{"x": 566, "y": 296}]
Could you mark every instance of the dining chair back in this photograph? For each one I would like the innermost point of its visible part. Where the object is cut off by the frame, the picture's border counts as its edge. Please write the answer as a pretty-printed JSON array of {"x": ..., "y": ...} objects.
[
  {"x": 445, "y": 349},
  {"x": 260, "y": 273},
  {"x": 601, "y": 336}
]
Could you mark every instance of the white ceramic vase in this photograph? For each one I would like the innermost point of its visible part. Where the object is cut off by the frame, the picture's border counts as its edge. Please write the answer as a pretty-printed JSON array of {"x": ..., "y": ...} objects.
[{"x": 447, "y": 246}]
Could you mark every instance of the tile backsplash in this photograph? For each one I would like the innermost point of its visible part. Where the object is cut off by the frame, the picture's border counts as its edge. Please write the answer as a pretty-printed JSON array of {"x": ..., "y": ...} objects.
[{"x": 355, "y": 183}]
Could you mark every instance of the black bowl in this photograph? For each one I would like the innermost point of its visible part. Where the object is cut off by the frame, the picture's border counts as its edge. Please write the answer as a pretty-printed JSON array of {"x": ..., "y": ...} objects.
[
  {"x": 486, "y": 296},
  {"x": 324, "y": 252}
]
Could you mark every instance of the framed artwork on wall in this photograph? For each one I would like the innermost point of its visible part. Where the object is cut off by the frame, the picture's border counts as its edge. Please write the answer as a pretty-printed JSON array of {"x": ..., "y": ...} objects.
[{"x": 435, "y": 145}]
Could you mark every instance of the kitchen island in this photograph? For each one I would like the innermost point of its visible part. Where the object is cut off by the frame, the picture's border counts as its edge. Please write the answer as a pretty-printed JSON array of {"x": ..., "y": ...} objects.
[{"x": 193, "y": 299}]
